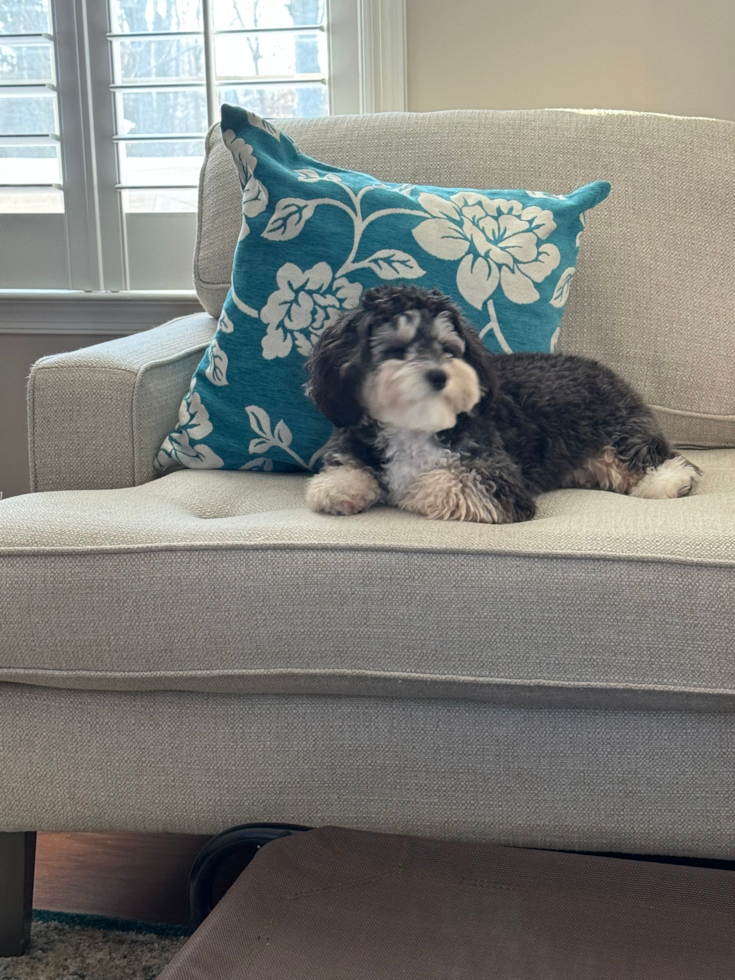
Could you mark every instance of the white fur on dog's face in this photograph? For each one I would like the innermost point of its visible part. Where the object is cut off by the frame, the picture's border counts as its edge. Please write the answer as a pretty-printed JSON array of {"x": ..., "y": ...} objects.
[
  {"x": 398, "y": 391},
  {"x": 398, "y": 394}
]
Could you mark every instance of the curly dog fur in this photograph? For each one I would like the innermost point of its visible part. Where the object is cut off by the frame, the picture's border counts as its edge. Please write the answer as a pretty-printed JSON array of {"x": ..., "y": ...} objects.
[{"x": 428, "y": 420}]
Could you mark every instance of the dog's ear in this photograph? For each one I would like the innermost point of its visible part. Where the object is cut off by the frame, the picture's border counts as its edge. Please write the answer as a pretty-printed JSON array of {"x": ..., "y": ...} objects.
[
  {"x": 337, "y": 366},
  {"x": 476, "y": 354}
]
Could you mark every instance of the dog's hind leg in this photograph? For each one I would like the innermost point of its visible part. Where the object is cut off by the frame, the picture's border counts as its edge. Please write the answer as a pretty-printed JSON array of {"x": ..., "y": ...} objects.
[
  {"x": 659, "y": 471},
  {"x": 670, "y": 476},
  {"x": 675, "y": 477},
  {"x": 604, "y": 472}
]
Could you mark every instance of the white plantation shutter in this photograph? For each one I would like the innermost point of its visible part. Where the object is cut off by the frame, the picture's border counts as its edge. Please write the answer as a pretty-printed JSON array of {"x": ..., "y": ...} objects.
[
  {"x": 30, "y": 172},
  {"x": 104, "y": 106},
  {"x": 30, "y": 149}
]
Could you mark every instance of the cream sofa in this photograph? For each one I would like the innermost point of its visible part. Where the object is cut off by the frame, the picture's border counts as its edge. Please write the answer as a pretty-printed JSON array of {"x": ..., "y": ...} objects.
[{"x": 196, "y": 651}]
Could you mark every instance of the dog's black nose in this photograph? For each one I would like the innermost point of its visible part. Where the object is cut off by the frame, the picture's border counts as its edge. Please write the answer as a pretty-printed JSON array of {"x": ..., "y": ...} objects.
[{"x": 436, "y": 378}]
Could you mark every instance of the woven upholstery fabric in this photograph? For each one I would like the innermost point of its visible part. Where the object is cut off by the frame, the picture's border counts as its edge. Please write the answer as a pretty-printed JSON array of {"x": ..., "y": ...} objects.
[
  {"x": 225, "y": 581},
  {"x": 334, "y": 903},
  {"x": 652, "y": 782},
  {"x": 653, "y": 292},
  {"x": 96, "y": 416}
]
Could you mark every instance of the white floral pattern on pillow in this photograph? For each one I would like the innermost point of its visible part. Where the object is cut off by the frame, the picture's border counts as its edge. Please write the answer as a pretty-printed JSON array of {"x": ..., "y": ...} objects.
[
  {"x": 216, "y": 369},
  {"x": 302, "y": 306},
  {"x": 496, "y": 241},
  {"x": 254, "y": 193},
  {"x": 193, "y": 424},
  {"x": 280, "y": 437}
]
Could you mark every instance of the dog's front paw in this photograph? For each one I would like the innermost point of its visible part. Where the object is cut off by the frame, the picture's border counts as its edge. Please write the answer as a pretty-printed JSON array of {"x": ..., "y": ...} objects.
[
  {"x": 449, "y": 495},
  {"x": 342, "y": 490}
]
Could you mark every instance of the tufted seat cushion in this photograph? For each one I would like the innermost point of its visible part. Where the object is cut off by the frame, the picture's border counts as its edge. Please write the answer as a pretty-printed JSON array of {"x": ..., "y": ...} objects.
[{"x": 226, "y": 582}]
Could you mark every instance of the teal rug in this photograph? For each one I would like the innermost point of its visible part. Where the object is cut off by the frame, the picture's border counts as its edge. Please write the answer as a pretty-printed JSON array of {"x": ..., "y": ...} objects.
[{"x": 90, "y": 947}]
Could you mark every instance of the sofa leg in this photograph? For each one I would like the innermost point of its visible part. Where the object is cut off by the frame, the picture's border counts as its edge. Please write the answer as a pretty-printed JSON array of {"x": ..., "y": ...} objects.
[{"x": 17, "y": 859}]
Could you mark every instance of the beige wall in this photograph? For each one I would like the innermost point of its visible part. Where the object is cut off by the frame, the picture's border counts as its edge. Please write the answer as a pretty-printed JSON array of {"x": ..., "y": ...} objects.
[{"x": 673, "y": 56}]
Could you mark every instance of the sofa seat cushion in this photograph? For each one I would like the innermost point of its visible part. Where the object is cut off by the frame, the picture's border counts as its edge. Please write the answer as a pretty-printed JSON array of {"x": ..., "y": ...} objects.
[{"x": 225, "y": 582}]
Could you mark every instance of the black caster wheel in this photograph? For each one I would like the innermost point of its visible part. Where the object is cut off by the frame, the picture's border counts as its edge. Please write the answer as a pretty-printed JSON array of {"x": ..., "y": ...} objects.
[{"x": 223, "y": 859}]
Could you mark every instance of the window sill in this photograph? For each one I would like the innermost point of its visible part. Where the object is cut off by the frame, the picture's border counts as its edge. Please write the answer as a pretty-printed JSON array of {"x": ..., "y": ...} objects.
[{"x": 61, "y": 311}]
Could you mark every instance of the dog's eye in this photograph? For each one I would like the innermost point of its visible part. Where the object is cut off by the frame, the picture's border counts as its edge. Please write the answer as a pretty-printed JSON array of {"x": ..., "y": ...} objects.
[
  {"x": 395, "y": 353},
  {"x": 451, "y": 351}
]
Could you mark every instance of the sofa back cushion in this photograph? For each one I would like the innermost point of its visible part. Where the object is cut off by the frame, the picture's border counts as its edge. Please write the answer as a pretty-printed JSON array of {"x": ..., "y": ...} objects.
[{"x": 654, "y": 293}]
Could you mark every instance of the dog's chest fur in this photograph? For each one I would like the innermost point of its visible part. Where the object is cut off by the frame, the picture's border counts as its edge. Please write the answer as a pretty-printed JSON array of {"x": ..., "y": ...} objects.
[{"x": 407, "y": 455}]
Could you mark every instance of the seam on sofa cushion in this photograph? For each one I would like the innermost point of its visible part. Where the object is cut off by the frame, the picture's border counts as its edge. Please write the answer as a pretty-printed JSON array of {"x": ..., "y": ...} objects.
[
  {"x": 86, "y": 369},
  {"x": 153, "y": 548},
  {"x": 393, "y": 684},
  {"x": 31, "y": 425},
  {"x": 693, "y": 415}
]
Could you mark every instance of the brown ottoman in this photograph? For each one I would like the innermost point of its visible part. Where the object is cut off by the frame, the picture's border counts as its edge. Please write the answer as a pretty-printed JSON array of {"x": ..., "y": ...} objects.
[{"x": 336, "y": 904}]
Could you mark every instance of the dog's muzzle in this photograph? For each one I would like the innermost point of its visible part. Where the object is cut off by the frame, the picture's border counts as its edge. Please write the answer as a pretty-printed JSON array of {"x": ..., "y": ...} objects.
[{"x": 412, "y": 395}]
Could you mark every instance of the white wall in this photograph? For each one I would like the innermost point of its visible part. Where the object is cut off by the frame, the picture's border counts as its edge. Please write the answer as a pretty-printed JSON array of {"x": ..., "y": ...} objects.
[{"x": 673, "y": 56}]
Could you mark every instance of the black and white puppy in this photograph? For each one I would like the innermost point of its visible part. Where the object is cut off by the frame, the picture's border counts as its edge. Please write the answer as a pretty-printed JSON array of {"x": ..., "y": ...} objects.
[{"x": 428, "y": 420}]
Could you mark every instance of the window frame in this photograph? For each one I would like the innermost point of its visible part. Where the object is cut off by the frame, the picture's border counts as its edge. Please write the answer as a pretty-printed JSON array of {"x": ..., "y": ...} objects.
[{"x": 95, "y": 247}]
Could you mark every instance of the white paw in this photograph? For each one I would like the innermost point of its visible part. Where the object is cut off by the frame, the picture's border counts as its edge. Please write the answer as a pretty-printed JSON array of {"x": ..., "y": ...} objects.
[
  {"x": 342, "y": 490},
  {"x": 674, "y": 478}
]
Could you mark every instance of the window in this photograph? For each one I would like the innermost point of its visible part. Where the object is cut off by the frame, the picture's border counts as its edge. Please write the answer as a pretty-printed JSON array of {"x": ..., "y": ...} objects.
[
  {"x": 167, "y": 90},
  {"x": 104, "y": 105},
  {"x": 30, "y": 165}
]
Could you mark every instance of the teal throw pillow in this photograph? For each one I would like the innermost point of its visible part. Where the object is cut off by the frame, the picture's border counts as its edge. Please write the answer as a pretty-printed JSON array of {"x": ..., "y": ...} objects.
[{"x": 313, "y": 239}]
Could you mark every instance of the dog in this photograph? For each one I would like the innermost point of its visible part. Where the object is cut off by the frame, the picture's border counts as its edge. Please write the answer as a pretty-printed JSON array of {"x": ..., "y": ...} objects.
[{"x": 428, "y": 420}]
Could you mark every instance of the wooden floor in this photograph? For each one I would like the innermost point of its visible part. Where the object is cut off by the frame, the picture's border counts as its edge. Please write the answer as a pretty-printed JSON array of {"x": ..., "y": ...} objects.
[{"x": 124, "y": 876}]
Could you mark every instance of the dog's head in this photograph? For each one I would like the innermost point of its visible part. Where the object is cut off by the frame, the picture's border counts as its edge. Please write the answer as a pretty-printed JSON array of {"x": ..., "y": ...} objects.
[{"x": 405, "y": 358}]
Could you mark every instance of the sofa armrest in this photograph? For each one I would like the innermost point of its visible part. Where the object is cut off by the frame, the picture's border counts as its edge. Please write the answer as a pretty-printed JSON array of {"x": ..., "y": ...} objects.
[{"x": 96, "y": 416}]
